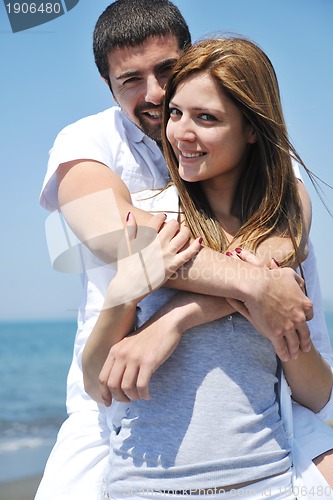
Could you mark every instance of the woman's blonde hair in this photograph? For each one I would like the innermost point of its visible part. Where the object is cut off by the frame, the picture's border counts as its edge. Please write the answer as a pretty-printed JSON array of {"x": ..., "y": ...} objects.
[{"x": 266, "y": 198}]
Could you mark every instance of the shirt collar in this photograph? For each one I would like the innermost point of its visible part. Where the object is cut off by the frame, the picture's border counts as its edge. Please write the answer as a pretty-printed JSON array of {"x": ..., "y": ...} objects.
[
  {"x": 132, "y": 130},
  {"x": 137, "y": 135}
]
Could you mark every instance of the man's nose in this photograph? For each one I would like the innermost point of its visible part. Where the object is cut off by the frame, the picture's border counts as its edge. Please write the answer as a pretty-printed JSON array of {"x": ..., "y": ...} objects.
[{"x": 155, "y": 91}]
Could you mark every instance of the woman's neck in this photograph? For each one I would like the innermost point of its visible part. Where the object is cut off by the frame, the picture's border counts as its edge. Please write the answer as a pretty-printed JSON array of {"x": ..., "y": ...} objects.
[{"x": 221, "y": 198}]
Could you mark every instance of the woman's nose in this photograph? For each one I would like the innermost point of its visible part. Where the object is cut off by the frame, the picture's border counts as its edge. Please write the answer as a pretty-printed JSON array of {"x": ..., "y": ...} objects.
[{"x": 183, "y": 130}]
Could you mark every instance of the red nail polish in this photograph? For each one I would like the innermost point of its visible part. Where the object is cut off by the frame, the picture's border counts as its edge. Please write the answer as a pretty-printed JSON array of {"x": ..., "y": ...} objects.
[
  {"x": 229, "y": 254},
  {"x": 238, "y": 250},
  {"x": 200, "y": 240},
  {"x": 128, "y": 216}
]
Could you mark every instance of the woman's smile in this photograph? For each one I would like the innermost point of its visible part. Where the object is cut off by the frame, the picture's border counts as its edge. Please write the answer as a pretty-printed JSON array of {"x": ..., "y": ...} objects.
[{"x": 210, "y": 138}]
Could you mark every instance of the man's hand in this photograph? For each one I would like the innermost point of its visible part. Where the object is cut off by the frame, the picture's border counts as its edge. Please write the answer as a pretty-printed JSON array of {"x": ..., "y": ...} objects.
[
  {"x": 130, "y": 364},
  {"x": 280, "y": 309}
]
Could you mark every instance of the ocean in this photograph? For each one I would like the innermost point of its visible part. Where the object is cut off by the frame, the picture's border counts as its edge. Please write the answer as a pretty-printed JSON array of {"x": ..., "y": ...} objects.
[{"x": 34, "y": 361}]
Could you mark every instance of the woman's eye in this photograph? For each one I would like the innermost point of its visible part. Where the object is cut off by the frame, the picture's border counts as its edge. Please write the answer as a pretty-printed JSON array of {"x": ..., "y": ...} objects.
[
  {"x": 174, "y": 112},
  {"x": 207, "y": 117}
]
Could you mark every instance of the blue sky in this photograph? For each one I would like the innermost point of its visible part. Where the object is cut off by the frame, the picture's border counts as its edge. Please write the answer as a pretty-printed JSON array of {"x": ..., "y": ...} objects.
[{"x": 48, "y": 80}]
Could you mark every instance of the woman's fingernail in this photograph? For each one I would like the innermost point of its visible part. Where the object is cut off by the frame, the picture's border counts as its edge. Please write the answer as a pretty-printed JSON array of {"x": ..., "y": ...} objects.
[
  {"x": 238, "y": 250},
  {"x": 128, "y": 216},
  {"x": 276, "y": 262},
  {"x": 200, "y": 240},
  {"x": 307, "y": 348},
  {"x": 229, "y": 254}
]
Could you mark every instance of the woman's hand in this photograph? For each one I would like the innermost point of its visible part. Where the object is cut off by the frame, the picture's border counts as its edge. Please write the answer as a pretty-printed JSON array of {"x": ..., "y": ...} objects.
[{"x": 147, "y": 257}]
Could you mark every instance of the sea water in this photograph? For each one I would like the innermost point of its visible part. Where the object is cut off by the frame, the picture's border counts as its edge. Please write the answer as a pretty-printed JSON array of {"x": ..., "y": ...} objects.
[{"x": 34, "y": 361}]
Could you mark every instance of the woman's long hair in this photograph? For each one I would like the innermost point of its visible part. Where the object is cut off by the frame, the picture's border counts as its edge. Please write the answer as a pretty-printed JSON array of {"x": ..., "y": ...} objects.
[{"x": 266, "y": 197}]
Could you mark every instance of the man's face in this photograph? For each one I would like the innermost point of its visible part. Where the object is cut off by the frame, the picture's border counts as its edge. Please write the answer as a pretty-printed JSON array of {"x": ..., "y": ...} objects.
[{"x": 138, "y": 76}]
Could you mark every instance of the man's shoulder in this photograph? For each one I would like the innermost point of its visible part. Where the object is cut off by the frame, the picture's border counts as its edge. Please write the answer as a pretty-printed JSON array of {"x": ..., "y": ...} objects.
[
  {"x": 108, "y": 117},
  {"x": 105, "y": 130}
]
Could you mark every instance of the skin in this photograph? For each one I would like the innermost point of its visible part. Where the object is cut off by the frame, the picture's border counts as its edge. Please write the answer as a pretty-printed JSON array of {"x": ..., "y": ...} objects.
[
  {"x": 138, "y": 76},
  {"x": 211, "y": 140},
  {"x": 275, "y": 304},
  {"x": 208, "y": 135},
  {"x": 82, "y": 177},
  {"x": 200, "y": 136}
]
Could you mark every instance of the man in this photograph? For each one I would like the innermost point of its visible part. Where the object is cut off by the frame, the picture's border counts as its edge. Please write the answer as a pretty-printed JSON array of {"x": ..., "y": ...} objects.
[{"x": 94, "y": 166}]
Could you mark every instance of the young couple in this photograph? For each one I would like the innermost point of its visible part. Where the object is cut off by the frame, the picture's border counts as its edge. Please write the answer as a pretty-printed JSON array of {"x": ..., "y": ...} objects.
[{"x": 212, "y": 421}]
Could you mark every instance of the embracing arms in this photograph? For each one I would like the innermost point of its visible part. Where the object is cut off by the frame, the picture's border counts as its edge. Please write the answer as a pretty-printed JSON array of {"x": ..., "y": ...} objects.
[
  {"x": 274, "y": 300},
  {"x": 131, "y": 362}
]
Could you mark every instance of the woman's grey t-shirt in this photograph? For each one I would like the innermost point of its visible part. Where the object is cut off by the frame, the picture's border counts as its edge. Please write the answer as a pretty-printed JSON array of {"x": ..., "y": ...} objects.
[{"x": 213, "y": 418}]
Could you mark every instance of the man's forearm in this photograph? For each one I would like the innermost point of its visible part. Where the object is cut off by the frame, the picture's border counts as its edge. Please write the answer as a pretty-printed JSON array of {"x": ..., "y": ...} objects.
[
  {"x": 212, "y": 273},
  {"x": 127, "y": 371},
  {"x": 112, "y": 325}
]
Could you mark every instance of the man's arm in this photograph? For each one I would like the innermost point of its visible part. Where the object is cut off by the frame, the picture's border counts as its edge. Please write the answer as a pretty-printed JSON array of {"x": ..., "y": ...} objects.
[
  {"x": 130, "y": 362},
  {"x": 129, "y": 286},
  {"x": 274, "y": 300}
]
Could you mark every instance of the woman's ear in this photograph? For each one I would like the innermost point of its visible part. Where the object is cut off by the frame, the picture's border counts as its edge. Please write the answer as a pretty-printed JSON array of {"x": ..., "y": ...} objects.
[{"x": 252, "y": 135}]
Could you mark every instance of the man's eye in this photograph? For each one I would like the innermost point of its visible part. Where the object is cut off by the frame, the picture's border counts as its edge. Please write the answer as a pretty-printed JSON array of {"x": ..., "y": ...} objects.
[
  {"x": 166, "y": 69},
  {"x": 131, "y": 81}
]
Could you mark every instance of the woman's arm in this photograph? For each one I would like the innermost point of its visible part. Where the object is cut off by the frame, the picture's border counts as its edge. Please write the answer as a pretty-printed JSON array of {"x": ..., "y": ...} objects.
[
  {"x": 321, "y": 360},
  {"x": 308, "y": 374},
  {"x": 90, "y": 193},
  {"x": 310, "y": 379}
]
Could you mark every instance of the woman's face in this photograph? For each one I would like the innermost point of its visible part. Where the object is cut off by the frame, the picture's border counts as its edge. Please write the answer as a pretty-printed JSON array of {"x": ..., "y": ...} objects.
[{"x": 207, "y": 131}]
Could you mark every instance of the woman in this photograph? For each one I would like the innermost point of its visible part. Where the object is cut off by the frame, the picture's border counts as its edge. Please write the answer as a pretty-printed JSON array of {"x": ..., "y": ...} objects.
[{"x": 213, "y": 423}]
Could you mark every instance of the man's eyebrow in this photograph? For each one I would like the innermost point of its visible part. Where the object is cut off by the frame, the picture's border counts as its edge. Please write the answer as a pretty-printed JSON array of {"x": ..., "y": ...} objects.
[
  {"x": 160, "y": 66},
  {"x": 127, "y": 74},
  {"x": 167, "y": 62}
]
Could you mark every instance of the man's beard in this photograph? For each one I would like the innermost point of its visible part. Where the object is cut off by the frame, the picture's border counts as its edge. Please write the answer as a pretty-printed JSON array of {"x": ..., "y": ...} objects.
[{"x": 150, "y": 129}]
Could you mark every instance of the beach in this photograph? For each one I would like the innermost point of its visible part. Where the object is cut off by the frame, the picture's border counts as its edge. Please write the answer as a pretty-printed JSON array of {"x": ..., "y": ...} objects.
[
  {"x": 20, "y": 489},
  {"x": 32, "y": 407}
]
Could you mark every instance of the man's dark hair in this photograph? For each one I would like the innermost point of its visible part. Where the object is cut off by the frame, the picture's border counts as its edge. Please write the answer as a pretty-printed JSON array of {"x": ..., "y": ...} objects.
[{"x": 127, "y": 23}]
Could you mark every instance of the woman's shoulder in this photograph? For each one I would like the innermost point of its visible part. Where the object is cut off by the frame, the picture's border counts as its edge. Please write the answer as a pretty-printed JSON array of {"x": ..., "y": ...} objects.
[{"x": 158, "y": 200}]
